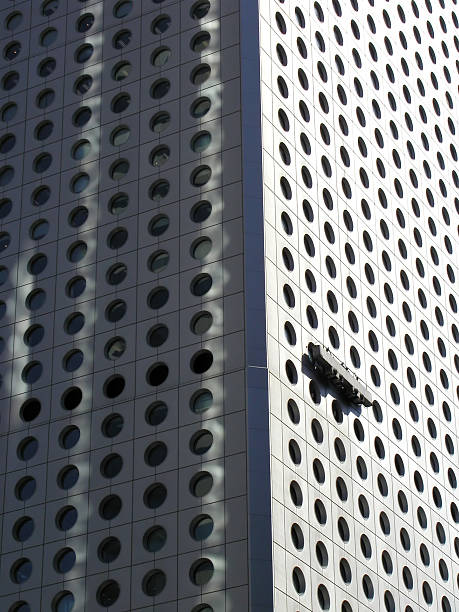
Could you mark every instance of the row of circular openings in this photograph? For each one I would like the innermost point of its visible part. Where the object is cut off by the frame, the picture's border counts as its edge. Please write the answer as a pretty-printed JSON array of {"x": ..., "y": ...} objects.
[
  {"x": 154, "y": 455},
  {"x": 157, "y": 262},
  {"x": 154, "y": 496},
  {"x": 82, "y": 115},
  {"x": 155, "y": 414},
  {"x": 111, "y": 427},
  {"x": 160, "y": 87},
  {"x": 154, "y": 539},
  {"x": 156, "y": 375},
  {"x": 116, "y": 310},
  {"x": 159, "y": 57},
  {"x": 287, "y": 226},
  {"x": 121, "y": 10},
  {"x": 153, "y": 583},
  {"x": 115, "y": 347},
  {"x": 199, "y": 177}
]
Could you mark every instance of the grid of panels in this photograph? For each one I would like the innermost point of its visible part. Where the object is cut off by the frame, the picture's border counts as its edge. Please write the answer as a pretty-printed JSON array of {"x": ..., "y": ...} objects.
[
  {"x": 360, "y": 179},
  {"x": 121, "y": 307}
]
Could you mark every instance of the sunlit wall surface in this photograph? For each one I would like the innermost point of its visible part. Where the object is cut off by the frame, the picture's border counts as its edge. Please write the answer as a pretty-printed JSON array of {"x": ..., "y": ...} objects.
[
  {"x": 122, "y": 394},
  {"x": 360, "y": 124}
]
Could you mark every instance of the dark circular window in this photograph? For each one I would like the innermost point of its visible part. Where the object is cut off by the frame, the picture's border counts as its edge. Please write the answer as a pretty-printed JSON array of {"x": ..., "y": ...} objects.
[
  {"x": 81, "y": 116},
  {"x": 108, "y": 593},
  {"x": 68, "y": 477},
  {"x": 200, "y": 9},
  {"x": 27, "y": 448},
  {"x": 201, "y": 361},
  {"x": 155, "y": 539},
  {"x": 160, "y": 24},
  {"x": 160, "y": 88},
  {"x": 21, "y": 570},
  {"x": 110, "y": 507},
  {"x": 155, "y": 496},
  {"x": 157, "y": 374},
  {"x": 109, "y": 550},
  {"x": 25, "y": 488},
  {"x": 23, "y": 528},
  {"x": 201, "y": 571},
  {"x": 32, "y": 372},
  {"x": 111, "y": 465},
  {"x": 201, "y": 484},
  {"x": 200, "y": 107},
  {"x": 114, "y": 386},
  {"x": 112, "y": 425},
  {"x": 116, "y": 274},
  {"x": 64, "y": 560},
  {"x": 121, "y": 39},
  {"x": 69, "y": 437},
  {"x": 201, "y": 284},
  {"x": 85, "y": 22},
  {"x": 154, "y": 582},
  {"x": 200, "y": 74},
  {"x": 155, "y": 454},
  {"x": 156, "y": 413}
]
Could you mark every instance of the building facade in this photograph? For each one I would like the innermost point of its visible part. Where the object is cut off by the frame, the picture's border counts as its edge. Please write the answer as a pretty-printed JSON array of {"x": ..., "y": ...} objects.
[{"x": 228, "y": 305}]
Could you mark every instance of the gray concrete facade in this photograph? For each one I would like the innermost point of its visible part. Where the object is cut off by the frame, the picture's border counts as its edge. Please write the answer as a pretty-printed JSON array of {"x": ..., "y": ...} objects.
[{"x": 193, "y": 193}]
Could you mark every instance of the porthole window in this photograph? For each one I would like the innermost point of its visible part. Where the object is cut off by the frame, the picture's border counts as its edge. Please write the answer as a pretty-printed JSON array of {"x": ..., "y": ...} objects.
[
  {"x": 34, "y": 335},
  {"x": 201, "y": 211},
  {"x": 154, "y": 582},
  {"x": 21, "y": 571},
  {"x": 83, "y": 84},
  {"x": 200, "y": 142},
  {"x": 200, "y": 9},
  {"x": 118, "y": 203},
  {"x": 77, "y": 251},
  {"x": 110, "y": 507},
  {"x": 14, "y": 20},
  {"x": 159, "y": 190},
  {"x": 48, "y": 37},
  {"x": 68, "y": 477},
  {"x": 10, "y": 80},
  {"x": 25, "y": 488},
  {"x": 66, "y": 518},
  {"x": 69, "y": 437},
  {"x": 115, "y": 311},
  {"x": 121, "y": 71},
  {"x": 155, "y": 539},
  {"x": 112, "y": 425},
  {"x": 78, "y": 216},
  {"x": 108, "y": 593},
  {"x": 84, "y": 53},
  {"x": 116, "y": 274},
  {"x": 160, "y": 122},
  {"x": 81, "y": 149},
  {"x": 79, "y": 182},
  {"x": 158, "y": 261},
  {"x": 200, "y": 107},
  {"x": 23, "y": 529},
  {"x": 201, "y": 401},
  {"x": 160, "y": 88},
  {"x": 64, "y": 560},
  {"x": 81, "y": 116},
  {"x": 201, "y": 571},
  {"x": 120, "y": 103},
  {"x": 85, "y": 22},
  {"x": 75, "y": 287},
  {"x": 200, "y": 42},
  {"x": 155, "y": 496},
  {"x": 161, "y": 24},
  {"x": 122, "y": 9},
  {"x": 115, "y": 348},
  {"x": 156, "y": 413},
  {"x": 201, "y": 248},
  {"x": 200, "y": 176},
  {"x": 200, "y": 74},
  {"x": 32, "y": 372},
  {"x": 121, "y": 39}
]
